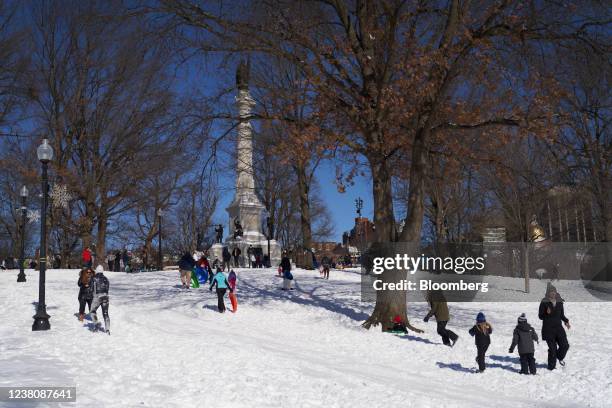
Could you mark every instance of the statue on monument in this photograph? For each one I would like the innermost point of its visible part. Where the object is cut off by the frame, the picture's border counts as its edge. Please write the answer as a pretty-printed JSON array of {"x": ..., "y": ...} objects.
[
  {"x": 237, "y": 228},
  {"x": 242, "y": 75},
  {"x": 219, "y": 231}
]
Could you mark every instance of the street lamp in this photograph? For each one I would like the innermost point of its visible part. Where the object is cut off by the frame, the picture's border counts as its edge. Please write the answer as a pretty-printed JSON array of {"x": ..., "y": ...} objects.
[
  {"x": 359, "y": 205},
  {"x": 159, "y": 240},
  {"x": 21, "y": 277},
  {"x": 269, "y": 224},
  {"x": 41, "y": 318}
]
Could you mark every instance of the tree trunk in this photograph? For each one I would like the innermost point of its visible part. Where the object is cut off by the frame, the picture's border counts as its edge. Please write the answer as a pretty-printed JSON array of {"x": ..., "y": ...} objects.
[
  {"x": 304, "y": 189},
  {"x": 389, "y": 303},
  {"x": 416, "y": 193},
  {"x": 384, "y": 220},
  {"x": 101, "y": 242}
]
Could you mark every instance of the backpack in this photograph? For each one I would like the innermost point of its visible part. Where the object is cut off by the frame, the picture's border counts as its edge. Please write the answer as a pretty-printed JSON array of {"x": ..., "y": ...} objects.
[{"x": 101, "y": 284}]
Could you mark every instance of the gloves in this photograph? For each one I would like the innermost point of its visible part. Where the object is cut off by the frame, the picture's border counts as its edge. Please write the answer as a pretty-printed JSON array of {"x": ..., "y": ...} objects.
[{"x": 426, "y": 319}]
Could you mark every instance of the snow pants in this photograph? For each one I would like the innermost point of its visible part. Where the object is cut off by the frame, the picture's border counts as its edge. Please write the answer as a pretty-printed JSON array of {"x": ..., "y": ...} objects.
[
  {"x": 447, "y": 335},
  {"x": 480, "y": 357},
  {"x": 82, "y": 302},
  {"x": 528, "y": 364},
  {"x": 97, "y": 302},
  {"x": 557, "y": 348},
  {"x": 220, "y": 302}
]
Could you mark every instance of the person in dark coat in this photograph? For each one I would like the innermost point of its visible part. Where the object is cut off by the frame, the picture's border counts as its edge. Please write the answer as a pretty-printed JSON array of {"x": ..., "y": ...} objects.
[
  {"x": 85, "y": 291},
  {"x": 524, "y": 335},
  {"x": 482, "y": 337},
  {"x": 236, "y": 254},
  {"x": 117, "y": 266},
  {"x": 439, "y": 309},
  {"x": 227, "y": 257},
  {"x": 552, "y": 314},
  {"x": 186, "y": 265},
  {"x": 125, "y": 257}
]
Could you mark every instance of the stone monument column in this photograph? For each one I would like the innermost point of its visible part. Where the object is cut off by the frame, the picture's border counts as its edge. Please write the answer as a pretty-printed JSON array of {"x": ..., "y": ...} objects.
[{"x": 246, "y": 206}]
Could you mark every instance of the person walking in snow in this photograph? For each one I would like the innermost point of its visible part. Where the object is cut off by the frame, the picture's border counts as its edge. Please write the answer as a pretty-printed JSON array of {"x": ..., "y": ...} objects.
[
  {"x": 439, "y": 309},
  {"x": 186, "y": 265},
  {"x": 100, "y": 286},
  {"x": 227, "y": 257},
  {"x": 285, "y": 268},
  {"x": 110, "y": 260},
  {"x": 552, "y": 314},
  {"x": 524, "y": 335},
  {"x": 117, "y": 264},
  {"x": 85, "y": 291},
  {"x": 325, "y": 263},
  {"x": 222, "y": 285},
  {"x": 236, "y": 255},
  {"x": 482, "y": 337}
]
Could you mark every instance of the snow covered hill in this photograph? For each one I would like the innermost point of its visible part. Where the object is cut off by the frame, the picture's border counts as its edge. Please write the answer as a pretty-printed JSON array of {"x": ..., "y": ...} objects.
[{"x": 305, "y": 348}]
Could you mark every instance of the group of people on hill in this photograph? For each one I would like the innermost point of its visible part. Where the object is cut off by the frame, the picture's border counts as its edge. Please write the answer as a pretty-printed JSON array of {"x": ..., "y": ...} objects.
[
  {"x": 551, "y": 312},
  {"x": 93, "y": 292},
  {"x": 188, "y": 266},
  {"x": 119, "y": 261}
]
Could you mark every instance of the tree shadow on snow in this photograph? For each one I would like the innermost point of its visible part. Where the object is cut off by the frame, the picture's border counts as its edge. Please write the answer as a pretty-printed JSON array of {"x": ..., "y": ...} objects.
[
  {"x": 457, "y": 367},
  {"x": 250, "y": 291},
  {"x": 513, "y": 360},
  {"x": 419, "y": 339}
]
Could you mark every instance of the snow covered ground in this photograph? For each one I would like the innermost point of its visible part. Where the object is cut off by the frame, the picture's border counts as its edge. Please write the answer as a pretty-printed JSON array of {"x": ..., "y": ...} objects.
[{"x": 170, "y": 348}]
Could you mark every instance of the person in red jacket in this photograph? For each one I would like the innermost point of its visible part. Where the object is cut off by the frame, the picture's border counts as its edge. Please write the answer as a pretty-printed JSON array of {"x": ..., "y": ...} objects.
[{"x": 87, "y": 258}]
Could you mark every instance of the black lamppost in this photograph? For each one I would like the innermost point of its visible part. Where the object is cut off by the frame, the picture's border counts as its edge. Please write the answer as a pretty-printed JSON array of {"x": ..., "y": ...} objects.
[
  {"x": 159, "y": 240},
  {"x": 21, "y": 277},
  {"x": 269, "y": 224},
  {"x": 359, "y": 205},
  {"x": 41, "y": 318}
]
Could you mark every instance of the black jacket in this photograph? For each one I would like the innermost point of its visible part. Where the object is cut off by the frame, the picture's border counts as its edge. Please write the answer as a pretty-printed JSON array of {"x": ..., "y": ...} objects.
[
  {"x": 551, "y": 322},
  {"x": 482, "y": 338},
  {"x": 285, "y": 264},
  {"x": 186, "y": 263},
  {"x": 85, "y": 292},
  {"x": 524, "y": 335}
]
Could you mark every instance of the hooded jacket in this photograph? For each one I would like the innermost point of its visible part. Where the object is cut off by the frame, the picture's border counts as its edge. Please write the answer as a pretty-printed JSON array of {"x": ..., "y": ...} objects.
[
  {"x": 551, "y": 322},
  {"x": 524, "y": 335}
]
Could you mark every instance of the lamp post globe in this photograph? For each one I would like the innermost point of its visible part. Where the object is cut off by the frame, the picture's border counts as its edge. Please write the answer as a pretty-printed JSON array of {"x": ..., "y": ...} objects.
[
  {"x": 23, "y": 193},
  {"x": 41, "y": 318}
]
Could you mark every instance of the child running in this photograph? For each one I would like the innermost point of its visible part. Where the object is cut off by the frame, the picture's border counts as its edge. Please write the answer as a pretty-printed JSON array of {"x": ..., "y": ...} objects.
[
  {"x": 524, "y": 335},
  {"x": 482, "y": 337}
]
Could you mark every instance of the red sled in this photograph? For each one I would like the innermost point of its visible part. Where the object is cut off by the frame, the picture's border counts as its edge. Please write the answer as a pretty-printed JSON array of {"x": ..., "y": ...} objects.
[{"x": 234, "y": 300}]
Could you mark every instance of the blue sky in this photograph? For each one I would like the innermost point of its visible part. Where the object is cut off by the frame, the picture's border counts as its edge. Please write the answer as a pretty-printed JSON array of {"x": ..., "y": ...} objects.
[{"x": 208, "y": 76}]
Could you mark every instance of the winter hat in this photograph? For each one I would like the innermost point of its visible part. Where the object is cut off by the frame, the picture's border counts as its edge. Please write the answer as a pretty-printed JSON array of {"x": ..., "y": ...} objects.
[
  {"x": 397, "y": 319},
  {"x": 480, "y": 318},
  {"x": 549, "y": 288},
  {"x": 522, "y": 318},
  {"x": 99, "y": 269}
]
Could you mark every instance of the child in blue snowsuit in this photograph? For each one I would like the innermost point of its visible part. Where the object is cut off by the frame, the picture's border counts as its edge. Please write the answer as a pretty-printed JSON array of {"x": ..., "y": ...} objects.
[{"x": 220, "y": 281}]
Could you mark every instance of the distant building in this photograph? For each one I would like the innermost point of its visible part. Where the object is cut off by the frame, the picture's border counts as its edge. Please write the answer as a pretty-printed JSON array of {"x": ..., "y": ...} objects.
[
  {"x": 333, "y": 250},
  {"x": 362, "y": 234}
]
